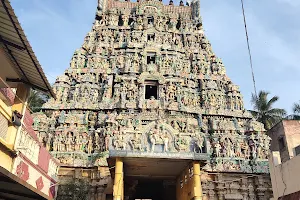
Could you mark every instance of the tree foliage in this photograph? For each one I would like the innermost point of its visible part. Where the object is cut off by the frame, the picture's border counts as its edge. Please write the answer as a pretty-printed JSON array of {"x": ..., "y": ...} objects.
[
  {"x": 36, "y": 100},
  {"x": 263, "y": 109},
  {"x": 76, "y": 190},
  {"x": 296, "y": 112}
]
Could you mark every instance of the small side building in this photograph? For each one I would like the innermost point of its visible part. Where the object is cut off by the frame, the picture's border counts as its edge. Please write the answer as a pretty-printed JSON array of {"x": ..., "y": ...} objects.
[
  {"x": 285, "y": 159},
  {"x": 27, "y": 170}
]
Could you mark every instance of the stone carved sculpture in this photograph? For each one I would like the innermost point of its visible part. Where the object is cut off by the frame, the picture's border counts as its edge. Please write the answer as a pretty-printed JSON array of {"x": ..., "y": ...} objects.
[
  {"x": 142, "y": 82},
  {"x": 199, "y": 143}
]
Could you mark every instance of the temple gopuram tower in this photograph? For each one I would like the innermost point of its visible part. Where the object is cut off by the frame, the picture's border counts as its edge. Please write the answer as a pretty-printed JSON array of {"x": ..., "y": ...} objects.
[{"x": 146, "y": 111}]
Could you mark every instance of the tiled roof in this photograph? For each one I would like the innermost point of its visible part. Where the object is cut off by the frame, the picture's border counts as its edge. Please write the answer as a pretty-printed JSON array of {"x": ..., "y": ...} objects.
[{"x": 16, "y": 45}]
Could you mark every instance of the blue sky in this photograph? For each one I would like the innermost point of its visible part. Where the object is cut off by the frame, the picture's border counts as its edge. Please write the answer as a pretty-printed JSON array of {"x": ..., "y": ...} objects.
[{"x": 55, "y": 28}]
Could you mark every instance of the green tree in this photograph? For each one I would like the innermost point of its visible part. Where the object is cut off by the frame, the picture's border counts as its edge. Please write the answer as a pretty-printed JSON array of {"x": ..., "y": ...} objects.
[
  {"x": 36, "y": 100},
  {"x": 77, "y": 189},
  {"x": 263, "y": 109},
  {"x": 296, "y": 112}
]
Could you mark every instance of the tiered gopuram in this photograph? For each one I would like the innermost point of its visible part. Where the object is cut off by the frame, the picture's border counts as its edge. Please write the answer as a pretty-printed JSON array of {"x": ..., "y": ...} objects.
[{"x": 145, "y": 85}]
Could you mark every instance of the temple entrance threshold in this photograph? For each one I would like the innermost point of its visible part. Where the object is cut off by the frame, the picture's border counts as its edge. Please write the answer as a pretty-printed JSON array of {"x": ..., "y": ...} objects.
[{"x": 155, "y": 179}]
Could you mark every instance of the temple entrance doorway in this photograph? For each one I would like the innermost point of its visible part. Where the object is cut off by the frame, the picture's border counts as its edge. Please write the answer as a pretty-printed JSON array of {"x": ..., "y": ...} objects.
[
  {"x": 149, "y": 189},
  {"x": 140, "y": 178}
]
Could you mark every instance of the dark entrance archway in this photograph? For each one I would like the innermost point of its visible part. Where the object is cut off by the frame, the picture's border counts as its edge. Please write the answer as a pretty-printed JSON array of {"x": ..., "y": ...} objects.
[
  {"x": 142, "y": 178},
  {"x": 146, "y": 189}
]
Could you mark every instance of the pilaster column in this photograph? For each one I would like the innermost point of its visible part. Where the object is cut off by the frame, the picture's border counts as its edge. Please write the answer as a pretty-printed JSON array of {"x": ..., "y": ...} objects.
[
  {"x": 118, "y": 188},
  {"x": 197, "y": 188},
  {"x": 93, "y": 193},
  {"x": 100, "y": 194}
]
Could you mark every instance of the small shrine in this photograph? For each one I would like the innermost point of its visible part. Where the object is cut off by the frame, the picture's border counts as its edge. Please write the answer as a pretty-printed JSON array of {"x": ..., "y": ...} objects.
[{"x": 146, "y": 98}]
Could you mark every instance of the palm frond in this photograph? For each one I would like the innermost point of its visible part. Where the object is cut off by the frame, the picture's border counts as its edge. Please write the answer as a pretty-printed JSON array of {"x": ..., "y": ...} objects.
[
  {"x": 277, "y": 112},
  {"x": 296, "y": 108},
  {"x": 36, "y": 100},
  {"x": 271, "y": 121},
  {"x": 272, "y": 101},
  {"x": 254, "y": 101},
  {"x": 263, "y": 109},
  {"x": 254, "y": 113}
]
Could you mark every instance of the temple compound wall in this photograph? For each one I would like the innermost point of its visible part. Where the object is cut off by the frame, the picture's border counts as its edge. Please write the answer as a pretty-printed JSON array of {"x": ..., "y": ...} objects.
[
  {"x": 146, "y": 86},
  {"x": 214, "y": 185}
]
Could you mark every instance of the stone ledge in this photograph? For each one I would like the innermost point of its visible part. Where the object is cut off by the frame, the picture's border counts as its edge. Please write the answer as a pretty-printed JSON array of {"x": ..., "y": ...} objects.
[{"x": 137, "y": 154}]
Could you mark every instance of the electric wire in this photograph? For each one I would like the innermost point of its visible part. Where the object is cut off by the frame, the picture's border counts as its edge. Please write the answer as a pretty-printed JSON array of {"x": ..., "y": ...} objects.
[{"x": 248, "y": 45}]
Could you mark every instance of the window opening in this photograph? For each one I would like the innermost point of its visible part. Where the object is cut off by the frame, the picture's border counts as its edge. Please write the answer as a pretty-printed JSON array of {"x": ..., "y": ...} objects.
[
  {"x": 151, "y": 58},
  {"x": 178, "y": 24},
  {"x": 281, "y": 143},
  {"x": 113, "y": 88},
  {"x": 130, "y": 21},
  {"x": 150, "y": 20},
  {"x": 151, "y": 90},
  {"x": 120, "y": 23},
  {"x": 150, "y": 37}
]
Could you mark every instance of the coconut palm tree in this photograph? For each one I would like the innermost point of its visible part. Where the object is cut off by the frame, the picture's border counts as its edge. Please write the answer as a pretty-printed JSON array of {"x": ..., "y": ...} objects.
[
  {"x": 263, "y": 109},
  {"x": 296, "y": 112},
  {"x": 36, "y": 100}
]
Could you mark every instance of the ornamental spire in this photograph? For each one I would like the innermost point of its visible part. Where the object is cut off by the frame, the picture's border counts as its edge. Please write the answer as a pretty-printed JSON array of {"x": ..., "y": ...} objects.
[
  {"x": 195, "y": 4},
  {"x": 101, "y": 6}
]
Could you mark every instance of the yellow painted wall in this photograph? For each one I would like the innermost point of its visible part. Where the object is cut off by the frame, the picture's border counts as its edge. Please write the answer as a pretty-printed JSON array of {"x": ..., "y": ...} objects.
[
  {"x": 20, "y": 106},
  {"x": 187, "y": 186},
  {"x": 6, "y": 160},
  {"x": 7, "y": 143},
  {"x": 5, "y": 110}
]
